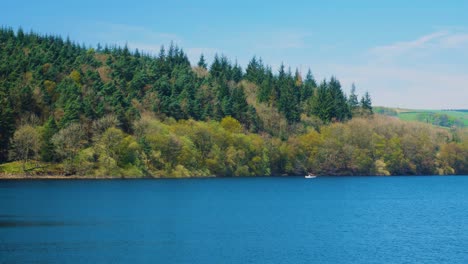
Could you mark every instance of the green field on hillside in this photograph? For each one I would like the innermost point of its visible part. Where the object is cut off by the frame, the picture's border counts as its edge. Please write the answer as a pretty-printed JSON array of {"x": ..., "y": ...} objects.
[{"x": 445, "y": 118}]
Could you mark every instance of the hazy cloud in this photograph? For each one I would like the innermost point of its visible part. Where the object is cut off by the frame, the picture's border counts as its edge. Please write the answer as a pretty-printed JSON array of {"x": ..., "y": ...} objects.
[
  {"x": 399, "y": 48},
  {"x": 404, "y": 87},
  {"x": 397, "y": 75},
  {"x": 455, "y": 40},
  {"x": 435, "y": 42}
]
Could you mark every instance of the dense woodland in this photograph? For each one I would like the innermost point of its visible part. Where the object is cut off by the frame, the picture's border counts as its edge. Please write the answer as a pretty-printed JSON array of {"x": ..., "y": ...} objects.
[{"x": 74, "y": 110}]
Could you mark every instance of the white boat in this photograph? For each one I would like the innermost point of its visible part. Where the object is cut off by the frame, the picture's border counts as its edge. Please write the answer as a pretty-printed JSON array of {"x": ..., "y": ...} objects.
[{"x": 310, "y": 176}]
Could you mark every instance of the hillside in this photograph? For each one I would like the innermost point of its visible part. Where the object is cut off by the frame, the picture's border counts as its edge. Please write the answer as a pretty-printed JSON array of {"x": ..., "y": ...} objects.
[
  {"x": 443, "y": 118},
  {"x": 43, "y": 77},
  {"x": 109, "y": 111}
]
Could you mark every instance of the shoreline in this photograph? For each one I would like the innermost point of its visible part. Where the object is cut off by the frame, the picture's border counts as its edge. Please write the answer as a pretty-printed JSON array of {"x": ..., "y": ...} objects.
[
  {"x": 4, "y": 176},
  {"x": 55, "y": 177},
  {"x": 80, "y": 177}
]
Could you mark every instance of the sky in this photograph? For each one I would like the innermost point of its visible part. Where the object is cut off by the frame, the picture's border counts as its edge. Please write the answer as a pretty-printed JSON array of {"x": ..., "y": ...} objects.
[{"x": 408, "y": 54}]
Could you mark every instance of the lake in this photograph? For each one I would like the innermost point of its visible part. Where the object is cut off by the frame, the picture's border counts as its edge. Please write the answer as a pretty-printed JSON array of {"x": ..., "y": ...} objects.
[{"x": 293, "y": 220}]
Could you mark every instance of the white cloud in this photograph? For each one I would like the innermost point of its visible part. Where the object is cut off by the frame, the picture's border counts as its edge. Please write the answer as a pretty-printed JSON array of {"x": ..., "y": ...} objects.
[
  {"x": 425, "y": 72},
  {"x": 411, "y": 88},
  {"x": 436, "y": 42},
  {"x": 399, "y": 48},
  {"x": 455, "y": 40}
]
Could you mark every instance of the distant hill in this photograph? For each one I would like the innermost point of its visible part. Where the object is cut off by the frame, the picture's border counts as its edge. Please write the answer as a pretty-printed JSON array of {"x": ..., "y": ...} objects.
[{"x": 444, "y": 118}]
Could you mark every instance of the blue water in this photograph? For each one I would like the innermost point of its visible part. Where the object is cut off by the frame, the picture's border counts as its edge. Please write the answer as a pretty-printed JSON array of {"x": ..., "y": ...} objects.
[{"x": 236, "y": 220}]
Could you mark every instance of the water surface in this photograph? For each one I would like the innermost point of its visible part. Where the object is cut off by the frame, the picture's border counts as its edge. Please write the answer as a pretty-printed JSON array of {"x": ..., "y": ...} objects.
[{"x": 236, "y": 220}]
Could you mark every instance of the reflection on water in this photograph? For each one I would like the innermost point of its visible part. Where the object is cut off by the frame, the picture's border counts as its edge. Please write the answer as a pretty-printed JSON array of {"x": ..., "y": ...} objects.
[
  {"x": 23, "y": 223},
  {"x": 11, "y": 221}
]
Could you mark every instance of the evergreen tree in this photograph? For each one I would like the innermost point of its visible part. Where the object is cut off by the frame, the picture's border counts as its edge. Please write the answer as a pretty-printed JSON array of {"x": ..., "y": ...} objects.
[
  {"x": 239, "y": 105},
  {"x": 63, "y": 82},
  {"x": 71, "y": 113},
  {"x": 339, "y": 110},
  {"x": 237, "y": 73},
  {"x": 308, "y": 87},
  {"x": 322, "y": 103},
  {"x": 26, "y": 100},
  {"x": 266, "y": 91},
  {"x": 202, "y": 63},
  {"x": 216, "y": 67},
  {"x": 7, "y": 126},
  {"x": 287, "y": 101},
  {"x": 255, "y": 71},
  {"x": 353, "y": 99},
  {"x": 47, "y": 150},
  {"x": 366, "y": 104}
]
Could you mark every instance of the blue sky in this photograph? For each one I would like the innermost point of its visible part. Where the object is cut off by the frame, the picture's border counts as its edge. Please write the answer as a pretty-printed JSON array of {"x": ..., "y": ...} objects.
[{"x": 405, "y": 53}]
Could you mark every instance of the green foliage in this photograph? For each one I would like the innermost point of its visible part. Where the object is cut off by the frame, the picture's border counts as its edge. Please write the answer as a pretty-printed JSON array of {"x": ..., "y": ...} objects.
[
  {"x": 26, "y": 143},
  {"x": 231, "y": 124},
  {"x": 33, "y": 168},
  {"x": 7, "y": 125},
  {"x": 443, "y": 118},
  {"x": 366, "y": 104},
  {"x": 385, "y": 111},
  {"x": 202, "y": 63},
  {"x": 353, "y": 99},
  {"x": 48, "y": 76},
  {"x": 185, "y": 148},
  {"x": 113, "y": 111},
  {"x": 68, "y": 142},
  {"x": 47, "y": 150}
]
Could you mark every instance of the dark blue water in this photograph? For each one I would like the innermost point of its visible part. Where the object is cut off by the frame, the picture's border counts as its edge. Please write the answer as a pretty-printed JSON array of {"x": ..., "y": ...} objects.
[{"x": 236, "y": 220}]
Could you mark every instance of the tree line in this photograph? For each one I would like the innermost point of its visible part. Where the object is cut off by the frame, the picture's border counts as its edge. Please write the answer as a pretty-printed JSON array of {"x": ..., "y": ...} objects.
[{"x": 362, "y": 146}]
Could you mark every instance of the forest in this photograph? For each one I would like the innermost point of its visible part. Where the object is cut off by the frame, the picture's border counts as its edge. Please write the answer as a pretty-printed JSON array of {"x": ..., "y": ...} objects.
[{"x": 68, "y": 109}]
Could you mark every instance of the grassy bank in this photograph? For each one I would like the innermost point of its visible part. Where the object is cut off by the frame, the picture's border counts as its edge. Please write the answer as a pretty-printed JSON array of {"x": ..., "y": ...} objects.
[{"x": 40, "y": 170}]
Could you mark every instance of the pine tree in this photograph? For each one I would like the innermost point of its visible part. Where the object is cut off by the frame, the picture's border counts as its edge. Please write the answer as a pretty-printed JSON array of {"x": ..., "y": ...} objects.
[
  {"x": 353, "y": 99},
  {"x": 288, "y": 95},
  {"x": 216, "y": 67},
  {"x": 237, "y": 73},
  {"x": 308, "y": 87},
  {"x": 266, "y": 92},
  {"x": 239, "y": 104},
  {"x": 48, "y": 148},
  {"x": 322, "y": 103},
  {"x": 7, "y": 126},
  {"x": 71, "y": 113},
  {"x": 366, "y": 104},
  {"x": 340, "y": 110},
  {"x": 202, "y": 63},
  {"x": 255, "y": 71}
]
